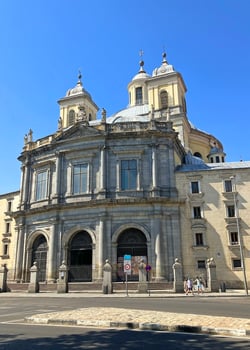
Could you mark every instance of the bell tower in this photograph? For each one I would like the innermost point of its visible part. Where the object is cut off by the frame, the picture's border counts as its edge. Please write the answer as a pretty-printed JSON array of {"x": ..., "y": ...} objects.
[{"x": 76, "y": 106}]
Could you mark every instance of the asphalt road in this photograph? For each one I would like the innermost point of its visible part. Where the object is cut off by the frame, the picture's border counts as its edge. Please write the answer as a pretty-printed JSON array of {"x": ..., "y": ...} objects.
[
  {"x": 216, "y": 306},
  {"x": 16, "y": 335}
]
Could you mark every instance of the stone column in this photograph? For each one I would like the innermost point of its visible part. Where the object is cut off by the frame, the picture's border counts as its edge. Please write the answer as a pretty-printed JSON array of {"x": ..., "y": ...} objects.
[
  {"x": 20, "y": 253},
  {"x": 51, "y": 276},
  {"x": 159, "y": 263},
  {"x": 57, "y": 180},
  {"x": 142, "y": 285},
  {"x": 154, "y": 168},
  {"x": 3, "y": 279},
  {"x": 25, "y": 183},
  {"x": 102, "y": 169},
  {"x": 211, "y": 276},
  {"x": 178, "y": 276},
  {"x": 100, "y": 250},
  {"x": 117, "y": 175},
  {"x": 62, "y": 282},
  {"x": 107, "y": 287},
  {"x": 34, "y": 284}
]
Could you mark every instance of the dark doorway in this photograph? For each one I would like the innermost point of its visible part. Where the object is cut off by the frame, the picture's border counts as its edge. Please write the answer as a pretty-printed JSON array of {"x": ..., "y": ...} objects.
[
  {"x": 39, "y": 254},
  {"x": 131, "y": 242},
  {"x": 80, "y": 258}
]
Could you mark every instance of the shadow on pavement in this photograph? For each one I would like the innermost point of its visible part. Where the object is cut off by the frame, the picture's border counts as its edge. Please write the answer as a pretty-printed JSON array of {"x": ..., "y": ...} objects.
[{"x": 120, "y": 339}]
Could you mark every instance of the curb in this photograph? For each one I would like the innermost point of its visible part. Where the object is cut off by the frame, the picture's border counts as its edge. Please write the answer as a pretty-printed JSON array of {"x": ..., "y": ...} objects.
[{"x": 141, "y": 326}]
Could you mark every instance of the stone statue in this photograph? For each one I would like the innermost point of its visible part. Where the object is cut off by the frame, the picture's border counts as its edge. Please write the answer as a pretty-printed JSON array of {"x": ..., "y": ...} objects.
[
  {"x": 104, "y": 115},
  {"x": 59, "y": 125}
]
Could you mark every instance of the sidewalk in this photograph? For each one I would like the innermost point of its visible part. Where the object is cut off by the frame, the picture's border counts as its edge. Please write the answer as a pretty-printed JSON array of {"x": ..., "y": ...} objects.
[{"x": 142, "y": 319}]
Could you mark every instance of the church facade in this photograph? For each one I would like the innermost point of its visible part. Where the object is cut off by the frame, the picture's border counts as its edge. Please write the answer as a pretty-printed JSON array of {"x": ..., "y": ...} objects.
[{"x": 143, "y": 182}]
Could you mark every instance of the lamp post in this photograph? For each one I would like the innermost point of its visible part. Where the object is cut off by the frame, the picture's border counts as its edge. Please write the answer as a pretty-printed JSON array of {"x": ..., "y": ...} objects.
[{"x": 239, "y": 234}]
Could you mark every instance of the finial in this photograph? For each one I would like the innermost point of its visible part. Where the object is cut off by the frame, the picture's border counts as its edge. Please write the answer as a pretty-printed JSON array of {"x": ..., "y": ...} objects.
[
  {"x": 79, "y": 77},
  {"x": 164, "y": 55},
  {"x": 141, "y": 53}
]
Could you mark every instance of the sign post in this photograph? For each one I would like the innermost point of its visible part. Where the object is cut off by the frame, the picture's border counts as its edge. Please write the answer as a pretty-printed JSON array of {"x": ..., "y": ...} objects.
[
  {"x": 148, "y": 268},
  {"x": 127, "y": 269}
]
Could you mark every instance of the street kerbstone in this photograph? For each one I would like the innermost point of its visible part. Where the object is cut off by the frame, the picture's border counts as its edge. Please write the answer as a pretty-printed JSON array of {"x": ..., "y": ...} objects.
[{"x": 146, "y": 320}]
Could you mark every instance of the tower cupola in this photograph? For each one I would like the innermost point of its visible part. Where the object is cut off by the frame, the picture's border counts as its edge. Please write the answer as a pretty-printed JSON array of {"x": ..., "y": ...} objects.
[{"x": 77, "y": 105}]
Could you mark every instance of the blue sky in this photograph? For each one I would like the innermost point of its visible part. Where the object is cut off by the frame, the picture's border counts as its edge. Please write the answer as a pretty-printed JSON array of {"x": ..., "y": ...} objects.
[{"x": 44, "y": 43}]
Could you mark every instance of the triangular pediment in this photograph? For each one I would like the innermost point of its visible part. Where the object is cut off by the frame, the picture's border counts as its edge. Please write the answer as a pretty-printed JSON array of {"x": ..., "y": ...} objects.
[{"x": 78, "y": 130}]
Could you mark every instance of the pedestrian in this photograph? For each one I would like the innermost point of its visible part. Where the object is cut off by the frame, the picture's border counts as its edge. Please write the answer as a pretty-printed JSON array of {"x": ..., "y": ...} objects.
[
  {"x": 199, "y": 285},
  {"x": 190, "y": 286},
  {"x": 185, "y": 286}
]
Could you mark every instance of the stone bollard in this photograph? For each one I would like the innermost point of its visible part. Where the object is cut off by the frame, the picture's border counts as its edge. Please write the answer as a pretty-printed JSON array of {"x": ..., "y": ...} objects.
[
  {"x": 34, "y": 284},
  {"x": 107, "y": 287},
  {"x": 3, "y": 279},
  {"x": 212, "y": 282},
  {"x": 62, "y": 282},
  {"x": 142, "y": 285},
  {"x": 178, "y": 277}
]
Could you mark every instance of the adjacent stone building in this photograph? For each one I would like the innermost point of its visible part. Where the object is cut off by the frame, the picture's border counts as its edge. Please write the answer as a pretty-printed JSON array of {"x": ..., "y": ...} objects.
[{"x": 143, "y": 182}]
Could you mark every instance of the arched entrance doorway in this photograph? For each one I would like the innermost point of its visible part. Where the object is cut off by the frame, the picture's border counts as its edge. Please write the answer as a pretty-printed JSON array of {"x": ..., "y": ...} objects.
[
  {"x": 131, "y": 242},
  {"x": 39, "y": 254},
  {"x": 80, "y": 258}
]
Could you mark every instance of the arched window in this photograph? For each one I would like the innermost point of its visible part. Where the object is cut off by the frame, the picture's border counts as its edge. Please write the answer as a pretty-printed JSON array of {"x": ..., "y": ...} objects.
[
  {"x": 71, "y": 119},
  {"x": 80, "y": 258},
  {"x": 131, "y": 242},
  {"x": 164, "y": 99},
  {"x": 39, "y": 255},
  {"x": 197, "y": 154}
]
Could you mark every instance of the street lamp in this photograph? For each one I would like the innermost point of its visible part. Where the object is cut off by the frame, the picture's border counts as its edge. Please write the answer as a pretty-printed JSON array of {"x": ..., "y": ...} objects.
[{"x": 239, "y": 235}]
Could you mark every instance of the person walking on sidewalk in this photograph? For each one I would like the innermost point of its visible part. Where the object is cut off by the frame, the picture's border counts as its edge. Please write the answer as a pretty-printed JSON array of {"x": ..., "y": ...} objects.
[
  {"x": 199, "y": 285},
  {"x": 189, "y": 286}
]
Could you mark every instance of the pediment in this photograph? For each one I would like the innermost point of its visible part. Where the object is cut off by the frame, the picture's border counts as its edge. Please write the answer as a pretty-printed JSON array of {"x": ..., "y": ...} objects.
[{"x": 78, "y": 130}]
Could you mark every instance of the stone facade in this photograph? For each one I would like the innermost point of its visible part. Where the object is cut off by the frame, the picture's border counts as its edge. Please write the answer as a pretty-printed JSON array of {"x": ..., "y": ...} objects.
[{"x": 143, "y": 182}]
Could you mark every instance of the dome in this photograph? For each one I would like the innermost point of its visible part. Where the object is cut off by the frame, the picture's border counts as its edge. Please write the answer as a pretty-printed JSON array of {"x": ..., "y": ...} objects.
[
  {"x": 141, "y": 74},
  {"x": 130, "y": 114},
  {"x": 78, "y": 89},
  {"x": 165, "y": 68}
]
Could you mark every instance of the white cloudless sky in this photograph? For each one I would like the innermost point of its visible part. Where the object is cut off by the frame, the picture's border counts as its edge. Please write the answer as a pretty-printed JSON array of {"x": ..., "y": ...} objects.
[{"x": 43, "y": 44}]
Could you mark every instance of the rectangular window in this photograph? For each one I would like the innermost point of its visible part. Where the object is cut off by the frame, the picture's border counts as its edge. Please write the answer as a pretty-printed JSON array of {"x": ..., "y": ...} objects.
[
  {"x": 236, "y": 263},
  {"x": 201, "y": 264},
  {"x": 195, "y": 187},
  {"x": 41, "y": 185},
  {"x": 234, "y": 238},
  {"x": 230, "y": 211},
  {"x": 7, "y": 227},
  {"x": 228, "y": 186},
  {"x": 199, "y": 239},
  {"x": 197, "y": 212},
  {"x": 138, "y": 95},
  {"x": 5, "y": 249},
  {"x": 80, "y": 178},
  {"x": 128, "y": 174},
  {"x": 9, "y": 206}
]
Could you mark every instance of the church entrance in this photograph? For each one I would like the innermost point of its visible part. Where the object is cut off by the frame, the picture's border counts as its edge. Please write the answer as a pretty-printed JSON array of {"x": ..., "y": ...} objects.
[
  {"x": 80, "y": 258},
  {"x": 39, "y": 255},
  {"x": 131, "y": 242}
]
